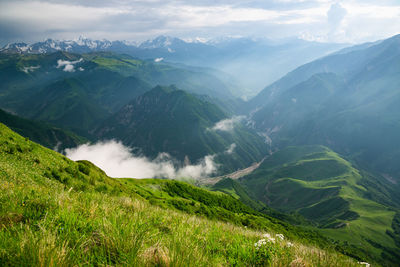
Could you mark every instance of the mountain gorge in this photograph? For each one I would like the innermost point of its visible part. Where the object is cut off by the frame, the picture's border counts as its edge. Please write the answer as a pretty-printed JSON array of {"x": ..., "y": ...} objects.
[
  {"x": 346, "y": 101},
  {"x": 166, "y": 119},
  {"x": 318, "y": 148},
  {"x": 110, "y": 96}
]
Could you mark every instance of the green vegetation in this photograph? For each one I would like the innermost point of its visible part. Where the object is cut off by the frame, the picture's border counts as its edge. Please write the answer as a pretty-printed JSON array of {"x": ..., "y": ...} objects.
[
  {"x": 166, "y": 119},
  {"x": 58, "y": 212},
  {"x": 101, "y": 85},
  {"x": 41, "y": 133},
  {"x": 326, "y": 189},
  {"x": 347, "y": 101}
]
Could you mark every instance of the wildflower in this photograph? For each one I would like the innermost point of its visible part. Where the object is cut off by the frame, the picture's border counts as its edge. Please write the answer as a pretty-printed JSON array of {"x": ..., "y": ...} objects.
[
  {"x": 289, "y": 244},
  {"x": 267, "y": 235},
  {"x": 260, "y": 243},
  {"x": 269, "y": 238},
  {"x": 280, "y": 236},
  {"x": 364, "y": 263}
]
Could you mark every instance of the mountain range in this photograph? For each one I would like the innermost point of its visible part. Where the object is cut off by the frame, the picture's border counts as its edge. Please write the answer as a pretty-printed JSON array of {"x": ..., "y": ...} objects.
[
  {"x": 322, "y": 140},
  {"x": 346, "y": 101},
  {"x": 265, "y": 60}
]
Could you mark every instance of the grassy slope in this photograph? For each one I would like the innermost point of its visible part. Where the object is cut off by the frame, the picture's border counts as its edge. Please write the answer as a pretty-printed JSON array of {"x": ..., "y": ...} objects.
[
  {"x": 58, "y": 212},
  {"x": 322, "y": 186}
]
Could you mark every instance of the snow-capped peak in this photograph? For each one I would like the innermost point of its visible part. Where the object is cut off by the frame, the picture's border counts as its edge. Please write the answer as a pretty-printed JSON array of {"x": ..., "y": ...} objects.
[{"x": 160, "y": 42}]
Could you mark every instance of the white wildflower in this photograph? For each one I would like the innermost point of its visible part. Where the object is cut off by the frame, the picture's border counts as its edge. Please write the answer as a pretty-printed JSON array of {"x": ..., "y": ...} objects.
[
  {"x": 289, "y": 244},
  {"x": 267, "y": 235},
  {"x": 364, "y": 263},
  {"x": 269, "y": 238},
  {"x": 280, "y": 236},
  {"x": 260, "y": 243}
]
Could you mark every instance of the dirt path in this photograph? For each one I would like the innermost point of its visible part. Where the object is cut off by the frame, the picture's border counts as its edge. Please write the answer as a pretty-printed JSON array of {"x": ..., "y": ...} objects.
[{"x": 234, "y": 175}]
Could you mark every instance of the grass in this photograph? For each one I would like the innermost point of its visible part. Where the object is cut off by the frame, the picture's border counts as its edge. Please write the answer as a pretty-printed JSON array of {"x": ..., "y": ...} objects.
[
  {"x": 325, "y": 188},
  {"x": 56, "y": 212}
]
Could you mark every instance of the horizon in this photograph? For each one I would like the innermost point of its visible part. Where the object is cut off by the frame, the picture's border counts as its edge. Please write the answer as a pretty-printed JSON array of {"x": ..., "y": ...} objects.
[{"x": 133, "y": 20}]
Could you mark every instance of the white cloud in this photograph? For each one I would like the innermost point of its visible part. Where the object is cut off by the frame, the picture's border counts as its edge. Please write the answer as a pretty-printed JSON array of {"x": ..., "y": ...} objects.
[
  {"x": 138, "y": 20},
  {"x": 68, "y": 65},
  {"x": 30, "y": 69},
  {"x": 159, "y": 59},
  {"x": 117, "y": 161},
  {"x": 227, "y": 125},
  {"x": 231, "y": 148}
]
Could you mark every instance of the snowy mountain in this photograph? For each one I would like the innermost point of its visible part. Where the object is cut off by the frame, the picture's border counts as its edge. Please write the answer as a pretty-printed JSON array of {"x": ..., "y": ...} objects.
[{"x": 80, "y": 45}]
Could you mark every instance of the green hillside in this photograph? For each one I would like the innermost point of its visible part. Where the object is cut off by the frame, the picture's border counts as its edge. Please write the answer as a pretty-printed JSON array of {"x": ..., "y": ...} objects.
[
  {"x": 66, "y": 103},
  {"x": 166, "y": 119},
  {"x": 328, "y": 190},
  {"x": 46, "y": 135},
  {"x": 38, "y": 86},
  {"x": 348, "y": 101},
  {"x": 195, "y": 80},
  {"x": 58, "y": 212}
]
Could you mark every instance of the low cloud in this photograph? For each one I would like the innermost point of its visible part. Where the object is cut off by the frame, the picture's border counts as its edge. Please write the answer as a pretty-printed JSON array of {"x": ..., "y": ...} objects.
[
  {"x": 30, "y": 69},
  {"x": 230, "y": 149},
  {"x": 117, "y": 160},
  {"x": 227, "y": 125},
  {"x": 68, "y": 65},
  {"x": 159, "y": 59}
]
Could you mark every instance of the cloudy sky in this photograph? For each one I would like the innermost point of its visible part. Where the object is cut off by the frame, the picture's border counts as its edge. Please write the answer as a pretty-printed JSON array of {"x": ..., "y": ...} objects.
[{"x": 323, "y": 20}]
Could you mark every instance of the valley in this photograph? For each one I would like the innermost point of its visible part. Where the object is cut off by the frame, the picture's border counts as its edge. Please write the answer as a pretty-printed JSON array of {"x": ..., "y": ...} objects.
[{"x": 313, "y": 156}]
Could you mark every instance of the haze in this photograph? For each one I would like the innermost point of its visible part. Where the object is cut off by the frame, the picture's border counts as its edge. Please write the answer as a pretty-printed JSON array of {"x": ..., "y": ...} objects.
[{"x": 135, "y": 20}]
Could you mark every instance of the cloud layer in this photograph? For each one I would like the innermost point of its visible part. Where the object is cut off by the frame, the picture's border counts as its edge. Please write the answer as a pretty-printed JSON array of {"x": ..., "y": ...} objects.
[
  {"x": 227, "y": 125},
  {"x": 68, "y": 66},
  {"x": 324, "y": 20},
  {"x": 117, "y": 161}
]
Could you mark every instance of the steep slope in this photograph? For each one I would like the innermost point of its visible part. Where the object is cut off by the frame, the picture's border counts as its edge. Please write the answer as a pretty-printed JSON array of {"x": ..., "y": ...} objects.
[
  {"x": 46, "y": 135},
  {"x": 320, "y": 185},
  {"x": 347, "y": 101},
  {"x": 57, "y": 87},
  {"x": 166, "y": 119},
  {"x": 65, "y": 103},
  {"x": 347, "y": 62},
  {"x": 58, "y": 212}
]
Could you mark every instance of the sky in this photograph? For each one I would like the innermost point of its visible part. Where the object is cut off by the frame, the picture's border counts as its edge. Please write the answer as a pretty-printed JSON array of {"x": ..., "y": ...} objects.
[{"x": 351, "y": 21}]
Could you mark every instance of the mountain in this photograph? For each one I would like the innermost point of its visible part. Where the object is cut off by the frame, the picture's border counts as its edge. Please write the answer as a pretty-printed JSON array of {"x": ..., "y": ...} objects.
[
  {"x": 265, "y": 60},
  {"x": 170, "y": 120},
  {"x": 44, "y": 134},
  {"x": 346, "y": 203},
  {"x": 80, "y": 45},
  {"x": 347, "y": 101},
  {"x": 77, "y": 91},
  {"x": 64, "y": 213},
  {"x": 67, "y": 104}
]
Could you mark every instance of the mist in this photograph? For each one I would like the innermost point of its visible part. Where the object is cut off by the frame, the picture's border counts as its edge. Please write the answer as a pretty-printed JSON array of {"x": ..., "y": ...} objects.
[{"x": 118, "y": 161}]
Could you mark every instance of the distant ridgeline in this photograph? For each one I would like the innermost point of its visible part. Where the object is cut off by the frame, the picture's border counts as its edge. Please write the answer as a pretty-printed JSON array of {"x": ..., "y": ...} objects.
[{"x": 246, "y": 64}]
